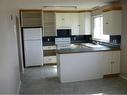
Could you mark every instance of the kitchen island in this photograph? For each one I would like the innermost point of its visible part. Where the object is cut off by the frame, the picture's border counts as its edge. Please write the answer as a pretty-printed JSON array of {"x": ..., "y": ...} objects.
[{"x": 82, "y": 62}]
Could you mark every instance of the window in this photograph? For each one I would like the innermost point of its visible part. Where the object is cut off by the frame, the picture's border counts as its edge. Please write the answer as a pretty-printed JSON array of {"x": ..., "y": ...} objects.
[{"x": 98, "y": 29}]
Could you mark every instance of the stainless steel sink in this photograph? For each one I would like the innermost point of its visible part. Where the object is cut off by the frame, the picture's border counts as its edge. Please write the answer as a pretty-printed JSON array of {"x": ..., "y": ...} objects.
[
  {"x": 92, "y": 45},
  {"x": 80, "y": 46}
]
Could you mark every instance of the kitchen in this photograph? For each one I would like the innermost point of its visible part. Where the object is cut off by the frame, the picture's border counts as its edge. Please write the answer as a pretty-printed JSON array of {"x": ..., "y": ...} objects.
[
  {"x": 68, "y": 46},
  {"x": 67, "y": 41}
]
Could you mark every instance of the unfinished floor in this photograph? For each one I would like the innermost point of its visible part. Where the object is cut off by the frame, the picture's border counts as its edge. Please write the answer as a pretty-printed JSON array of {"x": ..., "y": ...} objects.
[{"x": 43, "y": 80}]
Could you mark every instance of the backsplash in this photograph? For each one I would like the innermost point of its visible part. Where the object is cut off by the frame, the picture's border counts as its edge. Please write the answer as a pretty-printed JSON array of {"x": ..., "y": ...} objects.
[
  {"x": 115, "y": 39},
  {"x": 50, "y": 40},
  {"x": 74, "y": 39},
  {"x": 81, "y": 38}
]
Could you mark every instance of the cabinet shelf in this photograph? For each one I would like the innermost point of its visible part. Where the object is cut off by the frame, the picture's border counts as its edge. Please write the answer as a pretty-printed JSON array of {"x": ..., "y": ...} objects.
[
  {"x": 49, "y": 24},
  {"x": 31, "y": 18}
]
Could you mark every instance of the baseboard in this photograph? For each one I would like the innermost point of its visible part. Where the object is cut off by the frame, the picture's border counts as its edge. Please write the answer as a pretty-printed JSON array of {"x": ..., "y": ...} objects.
[
  {"x": 50, "y": 64},
  {"x": 19, "y": 87},
  {"x": 111, "y": 75},
  {"x": 123, "y": 77}
]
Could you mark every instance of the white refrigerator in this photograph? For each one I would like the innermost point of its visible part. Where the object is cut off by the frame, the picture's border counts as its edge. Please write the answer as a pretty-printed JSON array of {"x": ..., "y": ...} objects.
[{"x": 33, "y": 46}]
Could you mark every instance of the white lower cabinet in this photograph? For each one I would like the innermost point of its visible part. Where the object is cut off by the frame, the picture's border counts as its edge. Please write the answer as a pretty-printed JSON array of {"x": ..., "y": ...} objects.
[
  {"x": 116, "y": 60},
  {"x": 49, "y": 54},
  {"x": 80, "y": 66},
  {"x": 49, "y": 59},
  {"x": 107, "y": 62},
  {"x": 49, "y": 47},
  {"x": 85, "y": 66},
  {"x": 111, "y": 61}
]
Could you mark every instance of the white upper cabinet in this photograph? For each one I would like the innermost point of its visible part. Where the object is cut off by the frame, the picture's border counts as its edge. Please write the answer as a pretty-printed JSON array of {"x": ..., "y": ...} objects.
[
  {"x": 80, "y": 23},
  {"x": 85, "y": 23},
  {"x": 69, "y": 21},
  {"x": 74, "y": 17},
  {"x": 63, "y": 20},
  {"x": 112, "y": 22}
]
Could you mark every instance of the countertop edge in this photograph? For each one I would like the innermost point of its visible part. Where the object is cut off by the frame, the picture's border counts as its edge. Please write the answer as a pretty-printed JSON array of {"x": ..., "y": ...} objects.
[{"x": 69, "y": 52}]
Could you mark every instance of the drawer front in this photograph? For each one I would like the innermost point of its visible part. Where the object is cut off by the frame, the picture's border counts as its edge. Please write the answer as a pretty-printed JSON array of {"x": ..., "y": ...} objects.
[
  {"x": 49, "y": 47},
  {"x": 50, "y": 59},
  {"x": 49, "y": 52}
]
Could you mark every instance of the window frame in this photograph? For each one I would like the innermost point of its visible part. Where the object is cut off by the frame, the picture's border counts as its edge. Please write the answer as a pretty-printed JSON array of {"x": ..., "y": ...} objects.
[{"x": 103, "y": 40}]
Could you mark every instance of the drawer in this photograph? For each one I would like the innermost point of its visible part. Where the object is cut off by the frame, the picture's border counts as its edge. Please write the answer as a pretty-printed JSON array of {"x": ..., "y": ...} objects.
[
  {"x": 49, "y": 52},
  {"x": 50, "y": 59},
  {"x": 49, "y": 47}
]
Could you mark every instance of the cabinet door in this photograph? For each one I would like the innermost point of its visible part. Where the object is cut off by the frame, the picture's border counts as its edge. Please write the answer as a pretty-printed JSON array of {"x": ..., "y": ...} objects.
[
  {"x": 112, "y": 22},
  {"x": 63, "y": 20},
  {"x": 107, "y": 57},
  {"x": 81, "y": 23},
  {"x": 115, "y": 62},
  {"x": 85, "y": 23},
  {"x": 66, "y": 20},
  {"x": 74, "y": 17},
  {"x": 107, "y": 22},
  {"x": 117, "y": 22},
  {"x": 59, "y": 21},
  {"x": 111, "y": 61}
]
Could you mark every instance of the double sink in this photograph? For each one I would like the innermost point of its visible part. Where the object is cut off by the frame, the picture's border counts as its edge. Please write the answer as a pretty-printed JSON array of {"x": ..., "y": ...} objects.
[{"x": 85, "y": 45}]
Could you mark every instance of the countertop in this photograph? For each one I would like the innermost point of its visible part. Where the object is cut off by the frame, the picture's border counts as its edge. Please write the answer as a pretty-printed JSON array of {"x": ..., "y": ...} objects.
[{"x": 81, "y": 48}]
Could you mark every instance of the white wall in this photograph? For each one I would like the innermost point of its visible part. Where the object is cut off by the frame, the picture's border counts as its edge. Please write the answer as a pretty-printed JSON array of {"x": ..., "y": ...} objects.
[
  {"x": 9, "y": 64},
  {"x": 124, "y": 40}
]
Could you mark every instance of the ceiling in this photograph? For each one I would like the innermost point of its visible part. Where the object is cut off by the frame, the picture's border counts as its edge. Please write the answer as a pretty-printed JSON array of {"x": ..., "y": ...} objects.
[{"x": 80, "y": 4}]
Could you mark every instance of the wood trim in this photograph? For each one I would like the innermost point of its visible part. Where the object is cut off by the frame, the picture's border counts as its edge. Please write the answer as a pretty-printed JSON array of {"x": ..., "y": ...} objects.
[
  {"x": 49, "y": 64},
  {"x": 111, "y": 75},
  {"x": 58, "y": 11},
  {"x": 49, "y": 52},
  {"x": 112, "y": 8},
  {"x": 67, "y": 11},
  {"x": 20, "y": 17},
  {"x": 30, "y": 10},
  {"x": 23, "y": 50},
  {"x": 85, "y": 11},
  {"x": 34, "y": 66}
]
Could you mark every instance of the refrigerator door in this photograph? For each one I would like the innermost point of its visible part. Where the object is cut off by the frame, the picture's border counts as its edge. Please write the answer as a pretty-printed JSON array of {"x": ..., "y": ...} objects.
[
  {"x": 33, "y": 53},
  {"x": 32, "y": 33}
]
